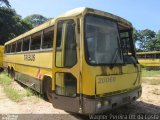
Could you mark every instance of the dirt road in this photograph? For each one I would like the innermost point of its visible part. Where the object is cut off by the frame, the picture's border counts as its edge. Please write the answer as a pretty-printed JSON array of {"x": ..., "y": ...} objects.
[{"x": 148, "y": 103}]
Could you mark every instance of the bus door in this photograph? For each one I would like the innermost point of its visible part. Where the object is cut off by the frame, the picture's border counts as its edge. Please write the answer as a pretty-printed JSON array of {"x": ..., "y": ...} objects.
[{"x": 66, "y": 65}]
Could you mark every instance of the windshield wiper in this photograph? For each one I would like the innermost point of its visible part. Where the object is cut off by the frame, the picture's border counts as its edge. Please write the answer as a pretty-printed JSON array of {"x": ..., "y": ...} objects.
[{"x": 115, "y": 58}]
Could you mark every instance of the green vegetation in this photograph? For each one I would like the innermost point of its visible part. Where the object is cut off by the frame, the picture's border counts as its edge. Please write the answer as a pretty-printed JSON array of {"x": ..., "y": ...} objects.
[
  {"x": 11, "y": 91},
  {"x": 5, "y": 3},
  {"x": 29, "y": 92},
  {"x": 4, "y": 79},
  {"x": 35, "y": 19},
  {"x": 151, "y": 77},
  {"x": 12, "y": 24},
  {"x": 150, "y": 73},
  {"x": 13, "y": 94},
  {"x": 147, "y": 40}
]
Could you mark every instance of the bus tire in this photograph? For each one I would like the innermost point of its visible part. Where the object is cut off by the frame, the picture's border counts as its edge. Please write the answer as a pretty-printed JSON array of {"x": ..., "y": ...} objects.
[
  {"x": 47, "y": 88},
  {"x": 12, "y": 73},
  {"x": 8, "y": 70}
]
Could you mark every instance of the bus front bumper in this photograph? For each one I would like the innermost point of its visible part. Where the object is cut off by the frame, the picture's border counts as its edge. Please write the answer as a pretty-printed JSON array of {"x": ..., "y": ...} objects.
[{"x": 91, "y": 106}]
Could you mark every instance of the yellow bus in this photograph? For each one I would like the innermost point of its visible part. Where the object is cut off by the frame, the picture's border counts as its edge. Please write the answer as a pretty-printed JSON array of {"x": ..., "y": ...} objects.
[
  {"x": 83, "y": 60},
  {"x": 150, "y": 59},
  {"x": 1, "y": 57}
]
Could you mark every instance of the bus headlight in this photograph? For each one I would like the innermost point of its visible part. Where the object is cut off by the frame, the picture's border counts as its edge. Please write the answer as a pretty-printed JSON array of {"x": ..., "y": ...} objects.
[{"x": 99, "y": 104}]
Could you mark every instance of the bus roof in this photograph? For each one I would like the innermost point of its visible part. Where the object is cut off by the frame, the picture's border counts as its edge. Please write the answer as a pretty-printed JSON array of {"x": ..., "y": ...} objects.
[
  {"x": 149, "y": 52},
  {"x": 72, "y": 13}
]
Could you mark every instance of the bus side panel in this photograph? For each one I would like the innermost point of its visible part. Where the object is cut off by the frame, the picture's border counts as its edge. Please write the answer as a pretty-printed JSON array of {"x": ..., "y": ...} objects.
[{"x": 30, "y": 67}]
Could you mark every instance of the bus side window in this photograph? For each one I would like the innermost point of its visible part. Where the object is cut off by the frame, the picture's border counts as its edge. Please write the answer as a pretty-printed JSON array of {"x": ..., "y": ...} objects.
[
  {"x": 13, "y": 48},
  {"x": 19, "y": 46},
  {"x": 5, "y": 49},
  {"x": 35, "y": 41},
  {"x": 59, "y": 35},
  {"x": 149, "y": 56},
  {"x": 48, "y": 38},
  {"x": 157, "y": 55},
  {"x": 8, "y": 48},
  {"x": 26, "y": 42}
]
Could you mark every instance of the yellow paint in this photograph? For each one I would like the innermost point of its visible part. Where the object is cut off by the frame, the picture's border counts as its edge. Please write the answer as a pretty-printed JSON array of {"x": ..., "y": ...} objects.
[
  {"x": 1, "y": 55},
  {"x": 105, "y": 84},
  {"x": 149, "y": 62},
  {"x": 43, "y": 61},
  {"x": 125, "y": 77}
]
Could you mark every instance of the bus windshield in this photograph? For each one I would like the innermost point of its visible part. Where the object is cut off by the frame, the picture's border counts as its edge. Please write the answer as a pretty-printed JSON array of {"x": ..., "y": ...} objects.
[{"x": 102, "y": 41}]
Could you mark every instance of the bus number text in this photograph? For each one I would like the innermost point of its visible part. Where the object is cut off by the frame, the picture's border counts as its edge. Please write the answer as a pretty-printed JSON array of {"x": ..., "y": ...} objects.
[
  {"x": 106, "y": 80},
  {"x": 29, "y": 57}
]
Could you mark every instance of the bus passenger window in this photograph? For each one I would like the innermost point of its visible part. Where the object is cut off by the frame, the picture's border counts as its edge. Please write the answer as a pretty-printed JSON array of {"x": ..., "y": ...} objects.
[
  {"x": 5, "y": 49},
  {"x": 19, "y": 45},
  {"x": 59, "y": 34},
  {"x": 157, "y": 55},
  {"x": 48, "y": 38},
  {"x": 26, "y": 42},
  {"x": 8, "y": 48},
  {"x": 13, "y": 49},
  {"x": 36, "y": 41},
  {"x": 149, "y": 56}
]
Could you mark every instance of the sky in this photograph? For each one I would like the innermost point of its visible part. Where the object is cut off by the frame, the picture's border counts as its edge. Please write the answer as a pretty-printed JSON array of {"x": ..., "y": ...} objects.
[{"x": 143, "y": 14}]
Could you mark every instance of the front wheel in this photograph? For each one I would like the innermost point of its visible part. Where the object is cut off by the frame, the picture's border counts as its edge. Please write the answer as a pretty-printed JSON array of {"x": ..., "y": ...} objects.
[{"x": 49, "y": 91}]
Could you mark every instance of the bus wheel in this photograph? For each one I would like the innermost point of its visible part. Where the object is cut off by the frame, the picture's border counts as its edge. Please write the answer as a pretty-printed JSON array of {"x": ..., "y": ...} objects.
[
  {"x": 8, "y": 71},
  {"x": 12, "y": 73},
  {"x": 48, "y": 90}
]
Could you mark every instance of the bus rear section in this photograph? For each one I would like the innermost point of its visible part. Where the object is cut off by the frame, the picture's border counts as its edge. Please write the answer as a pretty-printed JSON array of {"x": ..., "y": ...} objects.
[
  {"x": 1, "y": 58},
  {"x": 95, "y": 67}
]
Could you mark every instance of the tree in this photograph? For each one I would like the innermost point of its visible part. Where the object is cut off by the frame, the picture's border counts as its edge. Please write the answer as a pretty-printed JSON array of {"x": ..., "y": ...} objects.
[
  {"x": 35, "y": 19},
  {"x": 6, "y": 2},
  {"x": 157, "y": 45},
  {"x": 145, "y": 39},
  {"x": 11, "y": 24}
]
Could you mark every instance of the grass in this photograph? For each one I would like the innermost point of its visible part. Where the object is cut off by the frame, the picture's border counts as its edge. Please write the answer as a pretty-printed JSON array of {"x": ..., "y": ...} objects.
[
  {"x": 13, "y": 93},
  {"x": 29, "y": 92},
  {"x": 5, "y": 80},
  {"x": 151, "y": 77},
  {"x": 150, "y": 73}
]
